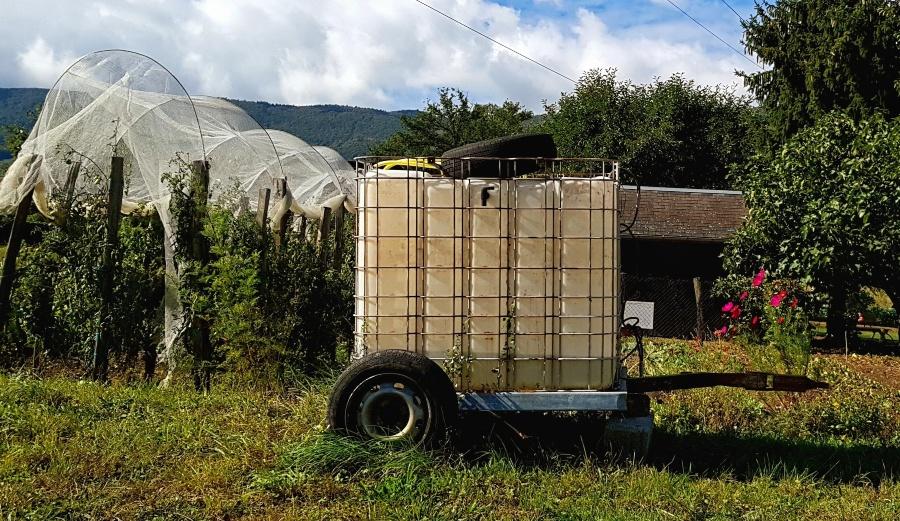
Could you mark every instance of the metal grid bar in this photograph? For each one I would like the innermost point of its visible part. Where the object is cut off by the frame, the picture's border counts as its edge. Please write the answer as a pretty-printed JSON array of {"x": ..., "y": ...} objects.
[{"x": 416, "y": 268}]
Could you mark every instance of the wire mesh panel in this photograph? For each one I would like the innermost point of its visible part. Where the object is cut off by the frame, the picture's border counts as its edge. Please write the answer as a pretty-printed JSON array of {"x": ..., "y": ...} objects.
[
  {"x": 511, "y": 283},
  {"x": 676, "y": 314}
]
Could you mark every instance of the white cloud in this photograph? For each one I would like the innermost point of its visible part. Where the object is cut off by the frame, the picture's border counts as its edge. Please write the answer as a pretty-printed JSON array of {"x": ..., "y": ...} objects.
[
  {"x": 39, "y": 63},
  {"x": 382, "y": 53}
]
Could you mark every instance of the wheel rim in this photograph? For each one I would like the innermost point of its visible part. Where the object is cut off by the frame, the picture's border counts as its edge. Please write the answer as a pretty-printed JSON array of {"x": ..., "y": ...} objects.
[{"x": 391, "y": 408}]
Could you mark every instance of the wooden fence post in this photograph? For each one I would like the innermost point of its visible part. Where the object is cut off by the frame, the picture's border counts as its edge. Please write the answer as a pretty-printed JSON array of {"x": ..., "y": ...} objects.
[
  {"x": 324, "y": 230},
  {"x": 199, "y": 335},
  {"x": 698, "y": 298},
  {"x": 100, "y": 362},
  {"x": 262, "y": 208},
  {"x": 302, "y": 230},
  {"x": 280, "y": 194},
  {"x": 338, "y": 237},
  {"x": 68, "y": 193},
  {"x": 9, "y": 260},
  {"x": 243, "y": 205}
]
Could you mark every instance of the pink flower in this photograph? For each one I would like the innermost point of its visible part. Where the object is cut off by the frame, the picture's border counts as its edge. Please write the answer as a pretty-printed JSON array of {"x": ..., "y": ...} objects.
[
  {"x": 721, "y": 332},
  {"x": 794, "y": 303},
  {"x": 728, "y": 307},
  {"x": 759, "y": 278},
  {"x": 744, "y": 296},
  {"x": 735, "y": 313},
  {"x": 754, "y": 322},
  {"x": 776, "y": 300}
]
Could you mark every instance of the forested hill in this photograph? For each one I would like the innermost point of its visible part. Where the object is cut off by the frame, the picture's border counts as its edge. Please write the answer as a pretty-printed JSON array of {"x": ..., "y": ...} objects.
[{"x": 349, "y": 130}]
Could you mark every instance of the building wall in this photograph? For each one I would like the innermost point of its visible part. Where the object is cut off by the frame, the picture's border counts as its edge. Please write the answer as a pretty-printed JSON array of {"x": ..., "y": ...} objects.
[
  {"x": 677, "y": 259},
  {"x": 662, "y": 272}
]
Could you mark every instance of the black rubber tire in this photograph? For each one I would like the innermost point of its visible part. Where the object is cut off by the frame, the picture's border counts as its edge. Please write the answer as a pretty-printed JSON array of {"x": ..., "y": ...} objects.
[
  {"x": 431, "y": 382},
  {"x": 523, "y": 145}
]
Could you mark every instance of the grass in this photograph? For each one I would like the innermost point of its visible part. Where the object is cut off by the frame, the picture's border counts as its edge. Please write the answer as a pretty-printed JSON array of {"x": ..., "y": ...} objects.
[{"x": 77, "y": 450}]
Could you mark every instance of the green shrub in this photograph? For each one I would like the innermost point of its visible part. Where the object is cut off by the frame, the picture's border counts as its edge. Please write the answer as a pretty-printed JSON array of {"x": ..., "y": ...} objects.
[
  {"x": 770, "y": 312},
  {"x": 272, "y": 311}
]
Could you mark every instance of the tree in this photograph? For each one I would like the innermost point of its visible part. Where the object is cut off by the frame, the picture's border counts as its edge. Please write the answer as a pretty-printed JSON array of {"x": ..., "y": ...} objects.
[
  {"x": 824, "y": 209},
  {"x": 666, "y": 133},
  {"x": 450, "y": 122},
  {"x": 824, "y": 55},
  {"x": 13, "y": 137}
]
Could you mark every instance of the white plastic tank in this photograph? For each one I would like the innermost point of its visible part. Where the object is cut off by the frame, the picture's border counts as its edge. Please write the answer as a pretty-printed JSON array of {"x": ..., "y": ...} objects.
[{"x": 511, "y": 284}]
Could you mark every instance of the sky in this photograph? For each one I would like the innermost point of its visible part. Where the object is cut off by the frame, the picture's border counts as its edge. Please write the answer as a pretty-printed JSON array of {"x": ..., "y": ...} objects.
[{"x": 388, "y": 54}]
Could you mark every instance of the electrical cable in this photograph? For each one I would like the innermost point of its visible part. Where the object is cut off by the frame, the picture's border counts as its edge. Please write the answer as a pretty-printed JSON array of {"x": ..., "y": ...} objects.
[
  {"x": 733, "y": 11},
  {"x": 707, "y": 29},
  {"x": 501, "y": 44}
]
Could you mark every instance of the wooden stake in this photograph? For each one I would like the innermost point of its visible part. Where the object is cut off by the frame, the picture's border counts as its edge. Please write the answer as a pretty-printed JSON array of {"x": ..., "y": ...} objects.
[
  {"x": 324, "y": 229},
  {"x": 199, "y": 334},
  {"x": 104, "y": 338},
  {"x": 243, "y": 205},
  {"x": 12, "y": 251},
  {"x": 68, "y": 193},
  {"x": 697, "y": 298},
  {"x": 338, "y": 237},
  {"x": 262, "y": 208},
  {"x": 302, "y": 230},
  {"x": 280, "y": 194}
]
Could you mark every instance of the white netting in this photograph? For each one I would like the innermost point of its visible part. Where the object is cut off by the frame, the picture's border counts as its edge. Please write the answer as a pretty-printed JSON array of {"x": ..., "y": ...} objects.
[
  {"x": 314, "y": 183},
  {"x": 344, "y": 172},
  {"x": 120, "y": 103}
]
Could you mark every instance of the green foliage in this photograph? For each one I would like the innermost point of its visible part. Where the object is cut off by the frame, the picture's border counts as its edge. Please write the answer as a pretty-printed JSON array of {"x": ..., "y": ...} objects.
[
  {"x": 822, "y": 56},
  {"x": 824, "y": 209},
  {"x": 14, "y": 136},
  {"x": 273, "y": 310},
  {"x": 57, "y": 294},
  {"x": 768, "y": 312},
  {"x": 666, "y": 133},
  {"x": 18, "y": 112},
  {"x": 452, "y": 121}
]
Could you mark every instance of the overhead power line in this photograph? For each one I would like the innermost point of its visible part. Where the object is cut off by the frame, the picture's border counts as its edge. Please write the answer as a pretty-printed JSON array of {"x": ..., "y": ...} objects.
[
  {"x": 707, "y": 29},
  {"x": 501, "y": 44},
  {"x": 732, "y": 10}
]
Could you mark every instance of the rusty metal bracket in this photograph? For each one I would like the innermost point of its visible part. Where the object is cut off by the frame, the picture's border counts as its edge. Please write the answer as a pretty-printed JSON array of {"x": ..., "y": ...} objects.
[{"x": 751, "y": 381}]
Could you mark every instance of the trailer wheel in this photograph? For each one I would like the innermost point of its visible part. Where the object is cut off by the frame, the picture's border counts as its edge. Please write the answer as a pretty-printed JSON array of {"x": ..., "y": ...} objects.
[
  {"x": 393, "y": 396},
  {"x": 523, "y": 145}
]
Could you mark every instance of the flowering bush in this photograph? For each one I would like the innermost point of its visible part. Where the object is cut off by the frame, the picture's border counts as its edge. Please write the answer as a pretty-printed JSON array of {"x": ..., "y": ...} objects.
[{"x": 767, "y": 311}]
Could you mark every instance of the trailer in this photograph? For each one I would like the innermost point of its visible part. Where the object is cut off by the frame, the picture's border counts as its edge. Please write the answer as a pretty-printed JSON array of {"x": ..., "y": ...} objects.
[{"x": 494, "y": 286}]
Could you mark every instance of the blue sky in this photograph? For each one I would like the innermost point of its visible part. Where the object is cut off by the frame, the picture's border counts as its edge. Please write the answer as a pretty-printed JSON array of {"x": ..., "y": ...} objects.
[{"x": 381, "y": 53}]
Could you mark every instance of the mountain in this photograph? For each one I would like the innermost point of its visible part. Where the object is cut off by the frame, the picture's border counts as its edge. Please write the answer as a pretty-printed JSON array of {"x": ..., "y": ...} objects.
[{"x": 349, "y": 130}]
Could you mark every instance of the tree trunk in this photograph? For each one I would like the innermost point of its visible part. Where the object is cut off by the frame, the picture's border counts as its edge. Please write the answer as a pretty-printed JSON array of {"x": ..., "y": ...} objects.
[{"x": 836, "y": 321}]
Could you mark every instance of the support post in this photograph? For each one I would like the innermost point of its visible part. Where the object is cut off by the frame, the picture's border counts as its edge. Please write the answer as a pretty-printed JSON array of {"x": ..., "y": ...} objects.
[
  {"x": 338, "y": 237},
  {"x": 104, "y": 338},
  {"x": 243, "y": 205},
  {"x": 302, "y": 230},
  {"x": 9, "y": 259},
  {"x": 262, "y": 208},
  {"x": 697, "y": 299},
  {"x": 324, "y": 229},
  {"x": 69, "y": 193},
  {"x": 280, "y": 194},
  {"x": 198, "y": 334}
]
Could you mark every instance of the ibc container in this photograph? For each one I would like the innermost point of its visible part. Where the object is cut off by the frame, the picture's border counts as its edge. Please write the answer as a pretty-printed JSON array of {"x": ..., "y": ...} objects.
[{"x": 510, "y": 284}]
